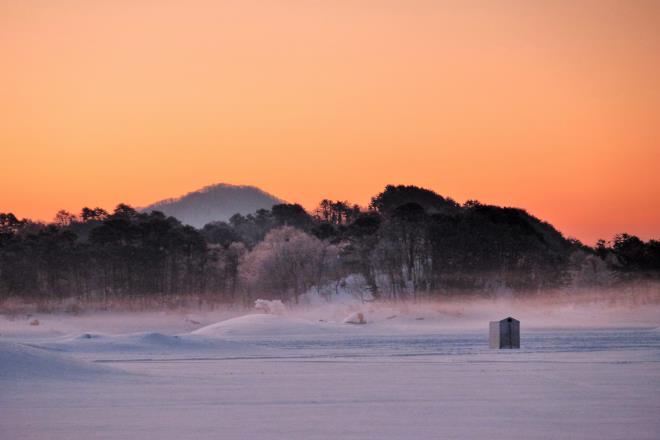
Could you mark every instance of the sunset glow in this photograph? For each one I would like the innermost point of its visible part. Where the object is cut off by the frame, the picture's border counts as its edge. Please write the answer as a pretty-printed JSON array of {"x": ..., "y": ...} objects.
[{"x": 553, "y": 107}]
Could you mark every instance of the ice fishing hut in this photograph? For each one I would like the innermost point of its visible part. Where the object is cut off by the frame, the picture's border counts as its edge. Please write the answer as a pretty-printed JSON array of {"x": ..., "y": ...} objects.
[{"x": 505, "y": 333}]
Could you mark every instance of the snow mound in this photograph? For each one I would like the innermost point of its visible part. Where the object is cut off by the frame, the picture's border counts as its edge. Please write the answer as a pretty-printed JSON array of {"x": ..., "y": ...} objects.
[
  {"x": 355, "y": 318},
  {"x": 264, "y": 325},
  {"x": 109, "y": 342},
  {"x": 144, "y": 343},
  {"x": 18, "y": 361}
]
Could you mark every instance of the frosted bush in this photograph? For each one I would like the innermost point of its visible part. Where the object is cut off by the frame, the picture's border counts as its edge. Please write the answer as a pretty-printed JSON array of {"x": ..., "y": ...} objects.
[{"x": 272, "y": 307}]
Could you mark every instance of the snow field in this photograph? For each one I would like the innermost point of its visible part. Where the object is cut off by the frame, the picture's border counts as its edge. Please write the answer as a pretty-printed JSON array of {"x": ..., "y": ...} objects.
[{"x": 405, "y": 374}]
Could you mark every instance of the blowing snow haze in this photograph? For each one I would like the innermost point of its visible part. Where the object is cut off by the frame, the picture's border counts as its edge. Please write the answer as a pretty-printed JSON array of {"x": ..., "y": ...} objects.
[{"x": 215, "y": 203}]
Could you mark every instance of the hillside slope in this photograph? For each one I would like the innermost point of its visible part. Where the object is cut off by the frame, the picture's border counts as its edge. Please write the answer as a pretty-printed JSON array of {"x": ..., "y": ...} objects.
[{"x": 215, "y": 202}]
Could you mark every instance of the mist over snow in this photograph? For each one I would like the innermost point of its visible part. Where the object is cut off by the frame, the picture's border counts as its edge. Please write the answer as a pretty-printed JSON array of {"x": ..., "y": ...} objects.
[{"x": 587, "y": 369}]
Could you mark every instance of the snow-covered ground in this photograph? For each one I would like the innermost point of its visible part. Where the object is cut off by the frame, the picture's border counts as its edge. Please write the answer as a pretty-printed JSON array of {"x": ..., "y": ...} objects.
[{"x": 410, "y": 372}]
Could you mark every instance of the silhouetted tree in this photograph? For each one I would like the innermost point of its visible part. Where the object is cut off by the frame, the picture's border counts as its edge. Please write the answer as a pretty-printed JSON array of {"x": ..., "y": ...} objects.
[
  {"x": 395, "y": 196},
  {"x": 93, "y": 214},
  {"x": 64, "y": 218},
  {"x": 337, "y": 212},
  {"x": 220, "y": 233},
  {"x": 291, "y": 215}
]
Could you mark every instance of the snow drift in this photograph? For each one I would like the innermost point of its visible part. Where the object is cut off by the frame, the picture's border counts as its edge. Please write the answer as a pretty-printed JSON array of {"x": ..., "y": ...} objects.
[
  {"x": 149, "y": 343},
  {"x": 18, "y": 361},
  {"x": 265, "y": 325}
]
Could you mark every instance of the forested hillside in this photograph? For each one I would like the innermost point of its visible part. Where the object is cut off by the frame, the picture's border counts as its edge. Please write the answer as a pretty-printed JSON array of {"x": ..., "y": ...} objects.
[{"x": 409, "y": 243}]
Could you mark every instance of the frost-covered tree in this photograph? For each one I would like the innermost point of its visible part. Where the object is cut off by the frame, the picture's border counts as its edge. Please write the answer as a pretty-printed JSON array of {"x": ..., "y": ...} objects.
[{"x": 285, "y": 264}]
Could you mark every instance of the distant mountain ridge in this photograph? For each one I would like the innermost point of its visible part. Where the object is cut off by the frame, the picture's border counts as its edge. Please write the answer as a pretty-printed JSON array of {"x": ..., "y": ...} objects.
[{"x": 216, "y": 202}]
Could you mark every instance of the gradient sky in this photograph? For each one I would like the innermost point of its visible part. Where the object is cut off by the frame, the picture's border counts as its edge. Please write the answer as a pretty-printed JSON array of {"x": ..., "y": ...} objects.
[{"x": 551, "y": 106}]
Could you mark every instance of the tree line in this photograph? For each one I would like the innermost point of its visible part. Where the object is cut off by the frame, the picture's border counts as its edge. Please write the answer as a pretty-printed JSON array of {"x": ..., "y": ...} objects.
[{"x": 409, "y": 243}]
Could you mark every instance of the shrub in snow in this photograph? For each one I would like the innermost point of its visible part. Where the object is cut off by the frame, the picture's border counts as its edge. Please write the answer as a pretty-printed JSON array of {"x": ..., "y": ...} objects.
[
  {"x": 355, "y": 318},
  {"x": 273, "y": 307}
]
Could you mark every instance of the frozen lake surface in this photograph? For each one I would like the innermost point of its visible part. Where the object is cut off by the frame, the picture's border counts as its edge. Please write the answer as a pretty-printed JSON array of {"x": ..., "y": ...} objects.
[{"x": 266, "y": 377}]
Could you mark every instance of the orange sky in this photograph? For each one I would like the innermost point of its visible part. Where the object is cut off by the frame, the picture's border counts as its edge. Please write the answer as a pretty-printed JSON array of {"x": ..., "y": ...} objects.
[{"x": 552, "y": 106}]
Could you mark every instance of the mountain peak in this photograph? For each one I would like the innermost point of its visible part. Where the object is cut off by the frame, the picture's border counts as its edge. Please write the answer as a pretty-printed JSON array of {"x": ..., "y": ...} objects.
[{"x": 217, "y": 202}]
